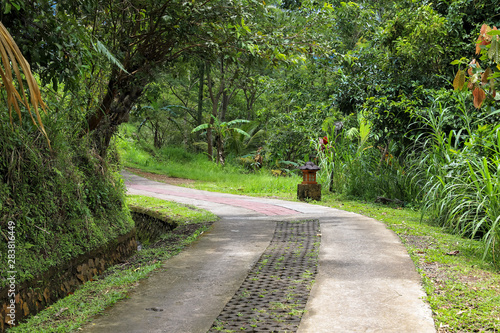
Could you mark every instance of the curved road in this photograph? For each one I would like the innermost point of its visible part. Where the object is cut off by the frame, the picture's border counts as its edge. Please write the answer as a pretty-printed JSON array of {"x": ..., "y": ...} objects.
[{"x": 366, "y": 281}]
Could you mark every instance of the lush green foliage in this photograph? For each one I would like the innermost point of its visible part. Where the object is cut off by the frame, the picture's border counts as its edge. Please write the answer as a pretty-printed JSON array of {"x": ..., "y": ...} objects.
[
  {"x": 64, "y": 201},
  {"x": 366, "y": 73},
  {"x": 352, "y": 166},
  {"x": 457, "y": 172},
  {"x": 381, "y": 71},
  {"x": 177, "y": 163}
]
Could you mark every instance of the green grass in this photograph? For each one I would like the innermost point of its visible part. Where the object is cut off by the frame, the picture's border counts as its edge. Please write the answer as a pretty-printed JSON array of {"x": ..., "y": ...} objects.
[
  {"x": 70, "y": 313},
  {"x": 182, "y": 214},
  {"x": 73, "y": 311},
  {"x": 177, "y": 163}
]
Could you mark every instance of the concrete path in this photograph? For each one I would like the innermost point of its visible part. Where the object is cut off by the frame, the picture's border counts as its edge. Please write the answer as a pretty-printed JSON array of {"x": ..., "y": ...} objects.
[{"x": 366, "y": 281}]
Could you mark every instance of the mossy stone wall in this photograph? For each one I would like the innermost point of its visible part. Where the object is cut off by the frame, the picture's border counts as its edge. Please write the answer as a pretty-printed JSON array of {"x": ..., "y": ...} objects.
[{"x": 34, "y": 295}]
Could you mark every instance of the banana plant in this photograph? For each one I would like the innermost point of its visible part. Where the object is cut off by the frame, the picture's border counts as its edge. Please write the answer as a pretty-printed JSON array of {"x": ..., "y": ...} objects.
[{"x": 222, "y": 130}]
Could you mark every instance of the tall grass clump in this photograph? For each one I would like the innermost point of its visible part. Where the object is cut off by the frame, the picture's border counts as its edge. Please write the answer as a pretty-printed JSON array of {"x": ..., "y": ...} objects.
[
  {"x": 458, "y": 172},
  {"x": 353, "y": 165}
]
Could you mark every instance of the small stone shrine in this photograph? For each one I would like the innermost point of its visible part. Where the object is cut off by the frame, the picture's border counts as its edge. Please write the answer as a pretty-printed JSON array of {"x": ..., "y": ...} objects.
[{"x": 309, "y": 188}]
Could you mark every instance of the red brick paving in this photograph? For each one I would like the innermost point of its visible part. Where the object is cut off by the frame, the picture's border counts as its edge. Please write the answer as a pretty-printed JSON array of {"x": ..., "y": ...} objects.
[{"x": 263, "y": 208}]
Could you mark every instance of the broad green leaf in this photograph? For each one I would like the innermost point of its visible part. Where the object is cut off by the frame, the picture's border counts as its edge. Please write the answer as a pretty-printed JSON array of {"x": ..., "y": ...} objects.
[
  {"x": 459, "y": 81},
  {"x": 494, "y": 51},
  {"x": 201, "y": 127},
  {"x": 237, "y": 121},
  {"x": 241, "y": 132},
  {"x": 244, "y": 26},
  {"x": 7, "y": 8}
]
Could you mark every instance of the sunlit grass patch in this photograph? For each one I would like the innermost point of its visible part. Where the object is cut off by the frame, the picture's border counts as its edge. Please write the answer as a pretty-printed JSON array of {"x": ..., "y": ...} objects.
[
  {"x": 170, "y": 161},
  {"x": 183, "y": 214}
]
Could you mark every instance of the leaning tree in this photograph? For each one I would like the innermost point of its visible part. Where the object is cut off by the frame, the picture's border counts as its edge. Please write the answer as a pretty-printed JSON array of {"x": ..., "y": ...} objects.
[{"x": 145, "y": 36}]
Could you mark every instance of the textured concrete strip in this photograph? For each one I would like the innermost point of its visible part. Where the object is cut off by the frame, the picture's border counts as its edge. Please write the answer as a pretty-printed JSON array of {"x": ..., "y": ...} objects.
[
  {"x": 193, "y": 287},
  {"x": 276, "y": 290}
]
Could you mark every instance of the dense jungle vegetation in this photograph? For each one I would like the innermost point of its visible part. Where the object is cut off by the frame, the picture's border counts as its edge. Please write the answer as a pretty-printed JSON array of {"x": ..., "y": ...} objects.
[{"x": 392, "y": 99}]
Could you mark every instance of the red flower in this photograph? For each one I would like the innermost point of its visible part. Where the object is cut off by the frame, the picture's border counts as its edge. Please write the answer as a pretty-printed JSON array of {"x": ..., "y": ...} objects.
[{"x": 323, "y": 142}]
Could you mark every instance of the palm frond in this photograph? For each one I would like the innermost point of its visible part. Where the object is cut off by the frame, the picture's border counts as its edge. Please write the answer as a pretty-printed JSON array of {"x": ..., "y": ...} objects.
[
  {"x": 14, "y": 63},
  {"x": 201, "y": 127},
  {"x": 101, "y": 48}
]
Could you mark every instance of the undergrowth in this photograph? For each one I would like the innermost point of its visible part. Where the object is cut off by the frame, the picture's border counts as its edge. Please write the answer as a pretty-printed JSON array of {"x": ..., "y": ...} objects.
[
  {"x": 176, "y": 162},
  {"x": 64, "y": 201}
]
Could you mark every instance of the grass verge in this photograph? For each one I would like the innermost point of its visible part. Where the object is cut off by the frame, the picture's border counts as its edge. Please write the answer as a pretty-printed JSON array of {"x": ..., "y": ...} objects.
[
  {"x": 72, "y": 312},
  {"x": 174, "y": 163}
]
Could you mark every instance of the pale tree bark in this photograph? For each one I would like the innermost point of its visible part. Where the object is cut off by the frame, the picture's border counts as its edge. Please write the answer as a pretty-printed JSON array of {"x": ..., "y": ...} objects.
[{"x": 214, "y": 97}]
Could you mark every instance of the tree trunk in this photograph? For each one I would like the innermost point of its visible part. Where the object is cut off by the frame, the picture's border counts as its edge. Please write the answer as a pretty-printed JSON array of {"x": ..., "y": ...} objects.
[
  {"x": 215, "y": 104},
  {"x": 210, "y": 140},
  {"x": 220, "y": 152},
  {"x": 156, "y": 131},
  {"x": 225, "y": 102},
  {"x": 122, "y": 93},
  {"x": 200, "y": 95}
]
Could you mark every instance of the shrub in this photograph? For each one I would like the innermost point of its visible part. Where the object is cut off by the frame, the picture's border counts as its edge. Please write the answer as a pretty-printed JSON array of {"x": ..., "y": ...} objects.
[{"x": 458, "y": 172}]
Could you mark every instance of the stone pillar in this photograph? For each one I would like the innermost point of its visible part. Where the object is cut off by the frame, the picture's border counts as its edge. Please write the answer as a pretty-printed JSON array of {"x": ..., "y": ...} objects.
[{"x": 309, "y": 191}]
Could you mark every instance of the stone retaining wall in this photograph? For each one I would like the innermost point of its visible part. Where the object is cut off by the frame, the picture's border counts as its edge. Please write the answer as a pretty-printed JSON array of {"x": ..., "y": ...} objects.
[
  {"x": 34, "y": 295},
  {"x": 150, "y": 226}
]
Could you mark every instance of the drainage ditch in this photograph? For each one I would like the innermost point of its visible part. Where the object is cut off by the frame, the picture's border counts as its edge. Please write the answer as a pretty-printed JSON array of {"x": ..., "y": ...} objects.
[{"x": 273, "y": 296}]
